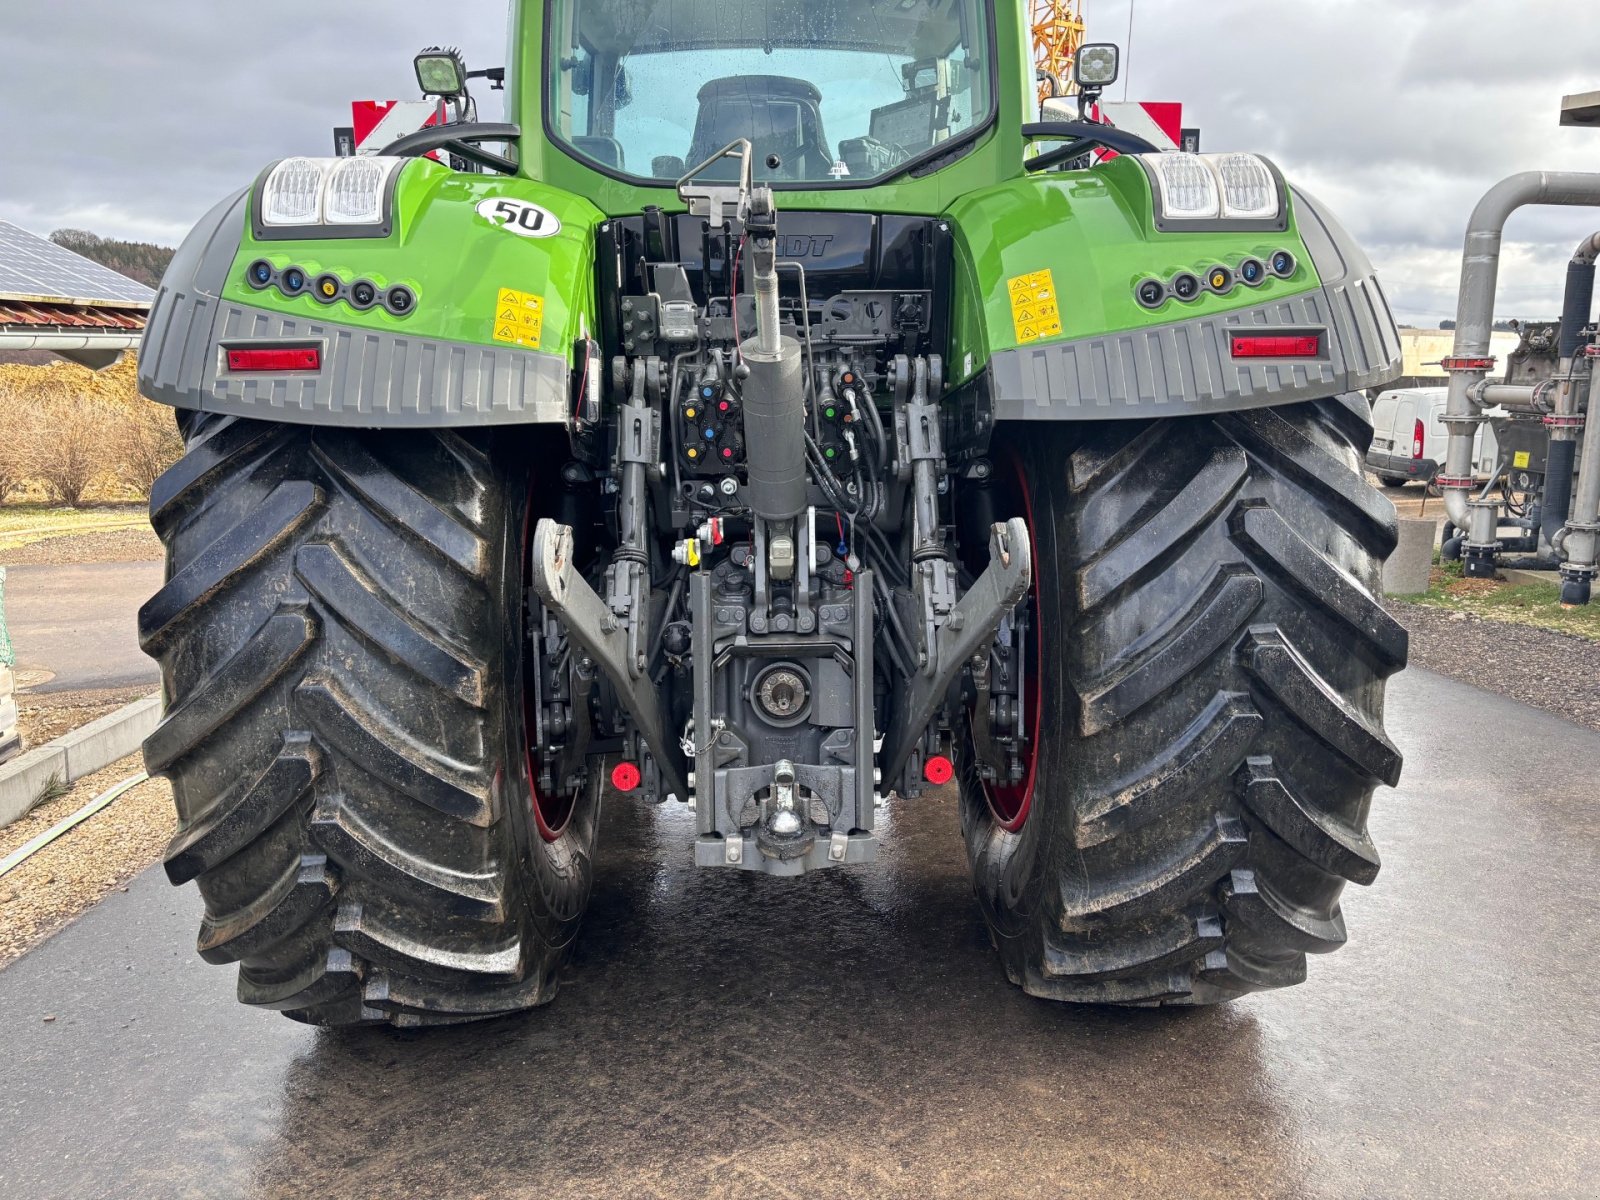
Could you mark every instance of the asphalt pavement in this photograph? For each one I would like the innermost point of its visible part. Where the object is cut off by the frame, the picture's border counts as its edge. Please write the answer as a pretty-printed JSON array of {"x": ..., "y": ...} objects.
[
  {"x": 79, "y": 624},
  {"x": 851, "y": 1035}
]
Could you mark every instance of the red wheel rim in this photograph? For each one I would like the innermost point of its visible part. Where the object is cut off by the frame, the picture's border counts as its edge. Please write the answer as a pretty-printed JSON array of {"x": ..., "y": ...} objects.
[
  {"x": 550, "y": 813},
  {"x": 1010, "y": 803}
]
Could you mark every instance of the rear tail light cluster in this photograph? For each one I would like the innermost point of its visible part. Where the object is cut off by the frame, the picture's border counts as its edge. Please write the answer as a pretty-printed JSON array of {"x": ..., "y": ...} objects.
[
  {"x": 1236, "y": 188},
  {"x": 355, "y": 195},
  {"x": 1418, "y": 441}
]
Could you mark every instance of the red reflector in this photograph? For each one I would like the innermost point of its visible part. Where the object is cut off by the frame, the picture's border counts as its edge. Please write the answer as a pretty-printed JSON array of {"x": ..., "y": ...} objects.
[
  {"x": 938, "y": 770},
  {"x": 625, "y": 777},
  {"x": 1281, "y": 345},
  {"x": 276, "y": 358},
  {"x": 1453, "y": 363},
  {"x": 1417, "y": 441}
]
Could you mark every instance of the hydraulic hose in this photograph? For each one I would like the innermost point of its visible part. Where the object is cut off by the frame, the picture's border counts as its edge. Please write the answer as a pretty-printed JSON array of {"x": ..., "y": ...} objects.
[
  {"x": 1578, "y": 306},
  {"x": 1557, "y": 488}
]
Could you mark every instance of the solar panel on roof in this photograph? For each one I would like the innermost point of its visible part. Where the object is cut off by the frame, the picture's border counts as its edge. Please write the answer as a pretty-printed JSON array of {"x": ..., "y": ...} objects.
[{"x": 35, "y": 268}]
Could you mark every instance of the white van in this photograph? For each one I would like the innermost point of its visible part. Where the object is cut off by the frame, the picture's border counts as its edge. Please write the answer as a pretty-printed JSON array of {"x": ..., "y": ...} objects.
[{"x": 1409, "y": 436}]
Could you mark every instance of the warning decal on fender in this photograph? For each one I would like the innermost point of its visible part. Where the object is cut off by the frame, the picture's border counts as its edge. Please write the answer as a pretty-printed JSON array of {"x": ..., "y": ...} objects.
[
  {"x": 519, "y": 319},
  {"x": 521, "y": 217},
  {"x": 1034, "y": 306}
]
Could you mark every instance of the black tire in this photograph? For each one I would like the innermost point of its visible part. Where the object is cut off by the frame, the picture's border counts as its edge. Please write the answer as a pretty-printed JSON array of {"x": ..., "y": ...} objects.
[
  {"x": 1212, "y": 698},
  {"x": 1393, "y": 480},
  {"x": 340, "y": 638}
]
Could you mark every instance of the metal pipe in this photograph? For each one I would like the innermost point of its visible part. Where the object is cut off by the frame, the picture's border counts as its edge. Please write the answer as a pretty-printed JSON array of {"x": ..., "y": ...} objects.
[
  {"x": 1574, "y": 378},
  {"x": 1581, "y": 528},
  {"x": 1469, "y": 363},
  {"x": 68, "y": 341},
  {"x": 1522, "y": 395}
]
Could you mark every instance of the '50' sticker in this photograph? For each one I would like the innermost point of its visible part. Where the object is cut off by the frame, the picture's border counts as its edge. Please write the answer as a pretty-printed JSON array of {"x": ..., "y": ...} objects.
[{"x": 520, "y": 217}]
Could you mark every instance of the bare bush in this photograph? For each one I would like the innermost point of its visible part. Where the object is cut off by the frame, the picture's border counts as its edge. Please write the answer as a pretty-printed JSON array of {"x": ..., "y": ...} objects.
[
  {"x": 70, "y": 435},
  {"x": 147, "y": 443},
  {"x": 12, "y": 471},
  {"x": 65, "y": 442}
]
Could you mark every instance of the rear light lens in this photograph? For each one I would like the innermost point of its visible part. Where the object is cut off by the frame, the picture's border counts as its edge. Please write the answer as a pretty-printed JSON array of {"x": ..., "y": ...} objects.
[
  {"x": 1249, "y": 190},
  {"x": 355, "y": 191},
  {"x": 1187, "y": 186},
  {"x": 1210, "y": 187},
  {"x": 276, "y": 358},
  {"x": 351, "y": 195},
  {"x": 1417, "y": 441},
  {"x": 1277, "y": 345},
  {"x": 293, "y": 192}
]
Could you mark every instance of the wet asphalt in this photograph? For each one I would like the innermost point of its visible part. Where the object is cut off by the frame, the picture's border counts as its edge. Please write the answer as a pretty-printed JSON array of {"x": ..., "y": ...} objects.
[
  {"x": 79, "y": 623},
  {"x": 851, "y": 1035}
]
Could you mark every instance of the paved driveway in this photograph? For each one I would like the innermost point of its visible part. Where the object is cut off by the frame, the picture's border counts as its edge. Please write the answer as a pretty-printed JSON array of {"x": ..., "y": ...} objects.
[
  {"x": 850, "y": 1034},
  {"x": 80, "y": 623}
]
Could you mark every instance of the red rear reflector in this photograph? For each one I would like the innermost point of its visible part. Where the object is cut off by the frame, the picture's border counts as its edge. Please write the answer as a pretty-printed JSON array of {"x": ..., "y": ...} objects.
[
  {"x": 938, "y": 770},
  {"x": 276, "y": 358},
  {"x": 1417, "y": 441},
  {"x": 625, "y": 777},
  {"x": 1280, "y": 345}
]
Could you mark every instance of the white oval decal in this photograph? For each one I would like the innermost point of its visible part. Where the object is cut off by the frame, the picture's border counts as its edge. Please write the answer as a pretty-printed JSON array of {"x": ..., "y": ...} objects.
[{"x": 520, "y": 217}]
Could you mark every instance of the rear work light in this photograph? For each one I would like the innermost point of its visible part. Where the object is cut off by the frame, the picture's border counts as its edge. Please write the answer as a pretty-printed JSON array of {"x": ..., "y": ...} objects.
[
  {"x": 1277, "y": 345},
  {"x": 276, "y": 358},
  {"x": 1417, "y": 441}
]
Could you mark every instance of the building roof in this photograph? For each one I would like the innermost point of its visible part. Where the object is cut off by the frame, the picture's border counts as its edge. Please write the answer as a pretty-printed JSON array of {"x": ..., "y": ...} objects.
[{"x": 37, "y": 271}]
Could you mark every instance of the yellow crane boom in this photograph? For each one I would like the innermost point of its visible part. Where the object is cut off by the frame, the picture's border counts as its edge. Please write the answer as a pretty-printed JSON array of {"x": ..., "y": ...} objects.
[{"x": 1057, "y": 34}]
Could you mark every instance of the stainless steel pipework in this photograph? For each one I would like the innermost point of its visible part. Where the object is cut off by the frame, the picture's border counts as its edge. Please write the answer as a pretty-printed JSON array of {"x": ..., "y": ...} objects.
[{"x": 1470, "y": 362}]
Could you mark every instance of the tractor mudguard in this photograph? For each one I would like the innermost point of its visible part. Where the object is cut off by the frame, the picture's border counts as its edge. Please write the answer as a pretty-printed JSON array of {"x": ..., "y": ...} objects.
[
  {"x": 1048, "y": 323},
  {"x": 494, "y": 282}
]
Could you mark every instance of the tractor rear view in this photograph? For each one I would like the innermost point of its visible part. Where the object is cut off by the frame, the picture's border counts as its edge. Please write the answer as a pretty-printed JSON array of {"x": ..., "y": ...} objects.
[{"x": 770, "y": 418}]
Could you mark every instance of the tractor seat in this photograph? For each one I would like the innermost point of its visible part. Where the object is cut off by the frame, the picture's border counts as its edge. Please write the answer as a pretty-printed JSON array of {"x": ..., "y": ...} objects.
[{"x": 779, "y": 115}]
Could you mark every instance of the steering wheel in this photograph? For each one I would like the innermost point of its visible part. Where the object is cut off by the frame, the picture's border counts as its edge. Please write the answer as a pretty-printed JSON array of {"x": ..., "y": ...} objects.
[
  {"x": 1081, "y": 137},
  {"x": 458, "y": 140}
]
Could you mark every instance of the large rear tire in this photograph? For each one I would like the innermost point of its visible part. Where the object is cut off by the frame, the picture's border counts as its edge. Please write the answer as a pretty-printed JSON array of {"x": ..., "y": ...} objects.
[
  {"x": 342, "y": 644},
  {"x": 1208, "y": 726}
]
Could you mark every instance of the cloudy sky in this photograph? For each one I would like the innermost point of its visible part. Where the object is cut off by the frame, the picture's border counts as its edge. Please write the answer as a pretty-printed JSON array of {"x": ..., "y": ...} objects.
[{"x": 131, "y": 119}]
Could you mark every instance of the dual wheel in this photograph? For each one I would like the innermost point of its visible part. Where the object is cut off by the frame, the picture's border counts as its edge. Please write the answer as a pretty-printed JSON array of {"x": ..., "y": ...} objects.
[{"x": 343, "y": 638}]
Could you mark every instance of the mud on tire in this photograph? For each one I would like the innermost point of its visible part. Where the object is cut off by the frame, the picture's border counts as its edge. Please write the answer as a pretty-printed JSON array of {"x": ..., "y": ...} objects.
[
  {"x": 1212, "y": 700},
  {"x": 340, "y": 638}
]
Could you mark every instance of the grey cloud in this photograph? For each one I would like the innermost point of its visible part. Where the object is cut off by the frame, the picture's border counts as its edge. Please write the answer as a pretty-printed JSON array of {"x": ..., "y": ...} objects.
[{"x": 1400, "y": 113}]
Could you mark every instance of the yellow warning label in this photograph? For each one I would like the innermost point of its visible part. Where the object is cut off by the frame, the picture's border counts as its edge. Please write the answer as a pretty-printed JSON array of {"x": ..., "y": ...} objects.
[
  {"x": 1520, "y": 459},
  {"x": 1035, "y": 308},
  {"x": 518, "y": 318}
]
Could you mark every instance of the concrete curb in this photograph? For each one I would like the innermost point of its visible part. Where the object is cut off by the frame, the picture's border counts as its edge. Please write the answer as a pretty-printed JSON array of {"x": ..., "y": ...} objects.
[{"x": 76, "y": 754}]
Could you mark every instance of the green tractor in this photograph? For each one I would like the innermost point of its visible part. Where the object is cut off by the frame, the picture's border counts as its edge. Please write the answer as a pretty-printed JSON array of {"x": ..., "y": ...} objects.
[{"x": 772, "y": 418}]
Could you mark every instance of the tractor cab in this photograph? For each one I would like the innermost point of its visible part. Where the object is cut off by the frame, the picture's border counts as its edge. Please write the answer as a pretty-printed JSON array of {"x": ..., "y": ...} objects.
[{"x": 637, "y": 96}]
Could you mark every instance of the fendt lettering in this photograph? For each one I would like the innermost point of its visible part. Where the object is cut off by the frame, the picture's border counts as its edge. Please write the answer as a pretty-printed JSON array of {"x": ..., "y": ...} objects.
[{"x": 802, "y": 245}]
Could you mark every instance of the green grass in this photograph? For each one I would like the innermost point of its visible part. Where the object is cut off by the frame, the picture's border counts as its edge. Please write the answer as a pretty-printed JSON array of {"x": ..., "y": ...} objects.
[{"x": 1536, "y": 604}]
